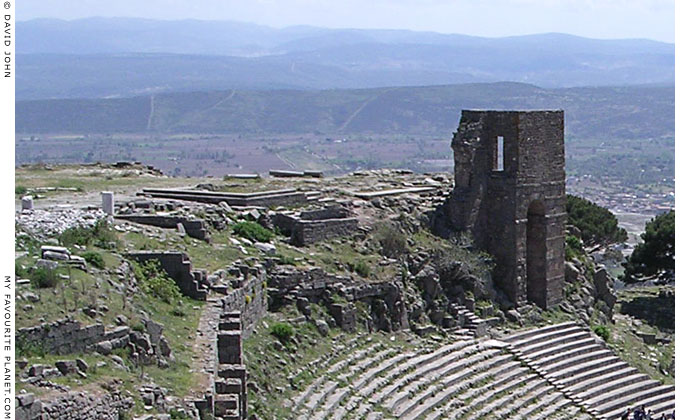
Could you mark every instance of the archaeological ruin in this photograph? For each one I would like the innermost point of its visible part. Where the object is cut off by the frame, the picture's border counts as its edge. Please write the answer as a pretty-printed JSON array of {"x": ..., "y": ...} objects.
[
  {"x": 510, "y": 194},
  {"x": 362, "y": 299}
]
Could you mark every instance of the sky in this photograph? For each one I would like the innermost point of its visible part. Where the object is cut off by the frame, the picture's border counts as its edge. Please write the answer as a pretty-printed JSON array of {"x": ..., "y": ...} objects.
[{"x": 606, "y": 19}]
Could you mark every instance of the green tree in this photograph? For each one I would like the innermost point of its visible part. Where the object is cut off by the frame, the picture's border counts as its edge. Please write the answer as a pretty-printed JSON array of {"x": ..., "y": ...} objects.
[
  {"x": 597, "y": 224},
  {"x": 656, "y": 254}
]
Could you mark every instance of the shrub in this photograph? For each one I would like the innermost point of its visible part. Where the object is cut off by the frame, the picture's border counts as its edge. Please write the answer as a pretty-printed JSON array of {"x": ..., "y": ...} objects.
[
  {"x": 362, "y": 268},
  {"x": 461, "y": 264},
  {"x": 20, "y": 190},
  {"x": 27, "y": 348},
  {"x": 252, "y": 231},
  {"x": 573, "y": 248},
  {"x": 596, "y": 223},
  {"x": 139, "y": 327},
  {"x": 391, "y": 240},
  {"x": 155, "y": 282},
  {"x": 94, "y": 258},
  {"x": 602, "y": 331},
  {"x": 283, "y": 331},
  {"x": 42, "y": 277},
  {"x": 100, "y": 234}
]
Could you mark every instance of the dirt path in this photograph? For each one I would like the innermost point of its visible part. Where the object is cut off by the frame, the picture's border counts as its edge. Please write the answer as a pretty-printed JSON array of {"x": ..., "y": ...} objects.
[{"x": 205, "y": 353}]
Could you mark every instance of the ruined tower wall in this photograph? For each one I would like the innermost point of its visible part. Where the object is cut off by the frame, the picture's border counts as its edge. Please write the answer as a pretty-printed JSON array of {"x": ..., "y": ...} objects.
[{"x": 495, "y": 189}]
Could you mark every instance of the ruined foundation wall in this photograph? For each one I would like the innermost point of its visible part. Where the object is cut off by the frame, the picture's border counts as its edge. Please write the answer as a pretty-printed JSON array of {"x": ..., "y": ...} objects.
[
  {"x": 68, "y": 336},
  {"x": 74, "y": 405},
  {"x": 179, "y": 268}
]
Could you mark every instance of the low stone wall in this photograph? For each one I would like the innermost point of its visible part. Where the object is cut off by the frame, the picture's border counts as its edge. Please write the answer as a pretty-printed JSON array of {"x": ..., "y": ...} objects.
[
  {"x": 72, "y": 406},
  {"x": 194, "y": 228},
  {"x": 249, "y": 296},
  {"x": 68, "y": 336},
  {"x": 312, "y": 226},
  {"x": 179, "y": 268},
  {"x": 307, "y": 232}
]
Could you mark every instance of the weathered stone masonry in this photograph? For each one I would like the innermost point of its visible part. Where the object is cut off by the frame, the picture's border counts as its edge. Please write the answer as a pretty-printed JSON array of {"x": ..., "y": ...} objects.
[
  {"x": 312, "y": 226},
  {"x": 192, "y": 283},
  {"x": 510, "y": 194}
]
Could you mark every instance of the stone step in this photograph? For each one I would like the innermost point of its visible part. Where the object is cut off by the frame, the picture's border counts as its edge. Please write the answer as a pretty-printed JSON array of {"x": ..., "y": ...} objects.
[
  {"x": 374, "y": 415},
  {"x": 556, "y": 350},
  {"x": 523, "y": 337},
  {"x": 533, "y": 383},
  {"x": 419, "y": 366},
  {"x": 617, "y": 393},
  {"x": 331, "y": 401},
  {"x": 575, "y": 361},
  {"x": 385, "y": 364},
  {"x": 524, "y": 396},
  {"x": 527, "y": 412},
  {"x": 495, "y": 403},
  {"x": 664, "y": 405},
  {"x": 566, "y": 373},
  {"x": 551, "y": 409},
  {"x": 591, "y": 376},
  {"x": 317, "y": 398},
  {"x": 546, "y": 344},
  {"x": 307, "y": 393},
  {"x": 611, "y": 385},
  {"x": 302, "y": 397},
  {"x": 427, "y": 400},
  {"x": 653, "y": 395},
  {"x": 338, "y": 396},
  {"x": 569, "y": 351},
  {"x": 363, "y": 365},
  {"x": 445, "y": 366}
]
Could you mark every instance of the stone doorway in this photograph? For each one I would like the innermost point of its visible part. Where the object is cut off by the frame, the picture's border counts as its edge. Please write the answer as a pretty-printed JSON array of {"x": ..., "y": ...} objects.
[{"x": 536, "y": 253}]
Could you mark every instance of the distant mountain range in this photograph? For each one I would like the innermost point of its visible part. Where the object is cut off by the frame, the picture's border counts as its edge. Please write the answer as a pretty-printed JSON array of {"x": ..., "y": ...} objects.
[
  {"x": 117, "y": 57},
  {"x": 591, "y": 112}
]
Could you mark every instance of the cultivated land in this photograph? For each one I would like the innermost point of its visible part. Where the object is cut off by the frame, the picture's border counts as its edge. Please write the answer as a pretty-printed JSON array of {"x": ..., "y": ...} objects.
[{"x": 440, "y": 367}]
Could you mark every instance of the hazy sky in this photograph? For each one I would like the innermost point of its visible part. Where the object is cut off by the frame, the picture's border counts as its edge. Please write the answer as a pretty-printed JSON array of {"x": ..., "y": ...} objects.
[{"x": 653, "y": 19}]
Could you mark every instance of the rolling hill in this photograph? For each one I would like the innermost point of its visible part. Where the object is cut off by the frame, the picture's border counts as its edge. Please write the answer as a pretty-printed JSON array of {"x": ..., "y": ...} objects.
[
  {"x": 591, "y": 112},
  {"x": 119, "y": 57}
]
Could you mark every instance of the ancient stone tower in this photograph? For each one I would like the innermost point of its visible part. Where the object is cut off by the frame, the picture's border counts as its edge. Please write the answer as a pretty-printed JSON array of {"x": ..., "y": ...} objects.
[{"x": 510, "y": 194}]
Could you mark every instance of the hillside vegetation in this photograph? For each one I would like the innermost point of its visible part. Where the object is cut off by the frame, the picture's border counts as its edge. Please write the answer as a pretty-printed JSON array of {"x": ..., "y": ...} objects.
[{"x": 604, "y": 112}]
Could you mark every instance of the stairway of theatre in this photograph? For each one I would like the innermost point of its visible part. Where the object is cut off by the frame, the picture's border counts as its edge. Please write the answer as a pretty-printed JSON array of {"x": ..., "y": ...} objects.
[
  {"x": 556, "y": 372},
  {"x": 588, "y": 372}
]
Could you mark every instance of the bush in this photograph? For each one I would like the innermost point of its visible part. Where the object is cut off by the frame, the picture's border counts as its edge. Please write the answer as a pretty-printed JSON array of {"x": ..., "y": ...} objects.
[
  {"x": 597, "y": 224},
  {"x": 27, "y": 348},
  {"x": 42, "y": 277},
  {"x": 462, "y": 264},
  {"x": 20, "y": 190},
  {"x": 100, "y": 235},
  {"x": 573, "y": 248},
  {"x": 283, "y": 331},
  {"x": 602, "y": 331},
  {"x": 155, "y": 282},
  {"x": 252, "y": 231},
  {"x": 391, "y": 240},
  {"x": 362, "y": 268},
  {"x": 94, "y": 258}
]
